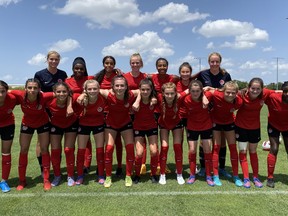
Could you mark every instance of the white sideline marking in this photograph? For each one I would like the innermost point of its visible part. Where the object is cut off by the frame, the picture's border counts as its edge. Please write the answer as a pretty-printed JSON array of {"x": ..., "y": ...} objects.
[{"x": 123, "y": 194}]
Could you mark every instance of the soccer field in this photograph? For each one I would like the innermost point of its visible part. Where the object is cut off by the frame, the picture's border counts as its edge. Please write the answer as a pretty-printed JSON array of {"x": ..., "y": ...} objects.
[{"x": 146, "y": 198}]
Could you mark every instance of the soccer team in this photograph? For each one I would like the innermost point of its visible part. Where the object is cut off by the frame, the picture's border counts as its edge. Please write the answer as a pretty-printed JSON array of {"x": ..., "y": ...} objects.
[{"x": 136, "y": 106}]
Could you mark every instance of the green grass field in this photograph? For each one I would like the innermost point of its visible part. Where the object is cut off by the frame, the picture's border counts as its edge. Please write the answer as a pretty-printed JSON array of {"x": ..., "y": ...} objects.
[{"x": 146, "y": 198}]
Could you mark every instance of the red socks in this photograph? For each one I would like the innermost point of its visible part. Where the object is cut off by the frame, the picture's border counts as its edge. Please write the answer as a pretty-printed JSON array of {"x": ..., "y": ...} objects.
[
  {"x": 109, "y": 159},
  {"x": 6, "y": 166},
  {"x": 154, "y": 163},
  {"x": 88, "y": 154},
  {"x": 271, "y": 161},
  {"x": 130, "y": 157},
  {"x": 192, "y": 163},
  {"x": 46, "y": 165},
  {"x": 138, "y": 163},
  {"x": 215, "y": 159},
  {"x": 254, "y": 164},
  {"x": 22, "y": 166},
  {"x": 244, "y": 164},
  {"x": 100, "y": 160},
  {"x": 70, "y": 161},
  {"x": 178, "y": 157},
  {"x": 56, "y": 161},
  {"x": 80, "y": 161},
  {"x": 163, "y": 159},
  {"x": 208, "y": 163},
  {"x": 234, "y": 158}
]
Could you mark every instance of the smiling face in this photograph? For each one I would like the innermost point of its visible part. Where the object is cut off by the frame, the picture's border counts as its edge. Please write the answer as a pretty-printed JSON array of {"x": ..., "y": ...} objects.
[
  {"x": 61, "y": 93},
  {"x": 162, "y": 67},
  {"x": 78, "y": 71},
  {"x": 255, "y": 90},
  {"x": 32, "y": 89},
  {"x": 53, "y": 60},
  {"x": 185, "y": 73},
  {"x": 214, "y": 62},
  {"x": 136, "y": 63},
  {"x": 195, "y": 92},
  {"x": 169, "y": 95},
  {"x": 119, "y": 86},
  {"x": 109, "y": 65},
  {"x": 230, "y": 94},
  {"x": 145, "y": 91},
  {"x": 92, "y": 89}
]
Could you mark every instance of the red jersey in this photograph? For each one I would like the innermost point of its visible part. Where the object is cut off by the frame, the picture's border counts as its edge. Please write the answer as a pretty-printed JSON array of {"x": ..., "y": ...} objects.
[
  {"x": 58, "y": 114},
  {"x": 159, "y": 80},
  {"x": 77, "y": 85},
  {"x": 278, "y": 112},
  {"x": 6, "y": 110},
  {"x": 94, "y": 115},
  {"x": 180, "y": 88},
  {"x": 118, "y": 110},
  {"x": 133, "y": 82},
  {"x": 199, "y": 118},
  {"x": 172, "y": 117},
  {"x": 34, "y": 112},
  {"x": 106, "y": 82},
  {"x": 144, "y": 119},
  {"x": 248, "y": 116},
  {"x": 223, "y": 112}
]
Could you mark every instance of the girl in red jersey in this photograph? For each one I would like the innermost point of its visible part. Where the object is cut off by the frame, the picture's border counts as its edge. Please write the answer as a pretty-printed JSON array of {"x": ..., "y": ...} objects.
[
  {"x": 277, "y": 123},
  {"x": 104, "y": 78},
  {"x": 225, "y": 102},
  {"x": 61, "y": 124},
  {"x": 91, "y": 120},
  {"x": 170, "y": 120},
  {"x": 248, "y": 128},
  {"x": 145, "y": 125},
  {"x": 199, "y": 123},
  {"x": 119, "y": 101},
  {"x": 7, "y": 129},
  {"x": 35, "y": 118}
]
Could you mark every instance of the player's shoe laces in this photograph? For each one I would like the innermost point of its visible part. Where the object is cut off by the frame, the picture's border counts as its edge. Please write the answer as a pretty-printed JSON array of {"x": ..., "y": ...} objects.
[
  {"x": 56, "y": 181},
  {"x": 224, "y": 173},
  {"x": 4, "y": 186},
  {"x": 108, "y": 182},
  {"x": 270, "y": 183},
  {"x": 128, "y": 181},
  {"x": 162, "y": 179},
  {"x": 191, "y": 179},
  {"x": 216, "y": 180},
  {"x": 247, "y": 183},
  {"x": 257, "y": 183},
  {"x": 237, "y": 181},
  {"x": 70, "y": 181},
  {"x": 210, "y": 181}
]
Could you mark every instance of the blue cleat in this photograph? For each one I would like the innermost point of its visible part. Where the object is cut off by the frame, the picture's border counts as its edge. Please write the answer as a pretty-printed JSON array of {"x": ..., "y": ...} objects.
[
  {"x": 4, "y": 186},
  {"x": 217, "y": 181},
  {"x": 237, "y": 181}
]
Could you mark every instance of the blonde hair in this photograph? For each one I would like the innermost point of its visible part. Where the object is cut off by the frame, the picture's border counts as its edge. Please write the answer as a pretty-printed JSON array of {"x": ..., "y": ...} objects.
[
  {"x": 86, "y": 99},
  {"x": 169, "y": 85},
  {"x": 231, "y": 84},
  {"x": 51, "y": 53},
  {"x": 139, "y": 57}
]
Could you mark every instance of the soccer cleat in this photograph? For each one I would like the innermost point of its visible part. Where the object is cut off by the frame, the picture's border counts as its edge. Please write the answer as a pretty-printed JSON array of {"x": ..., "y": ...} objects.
[
  {"x": 270, "y": 182},
  {"x": 128, "y": 181},
  {"x": 21, "y": 186},
  {"x": 202, "y": 172},
  {"x": 210, "y": 181},
  {"x": 191, "y": 179},
  {"x": 70, "y": 181},
  {"x": 101, "y": 180},
  {"x": 247, "y": 183},
  {"x": 4, "y": 186},
  {"x": 257, "y": 183},
  {"x": 143, "y": 169},
  {"x": 217, "y": 181},
  {"x": 79, "y": 180},
  {"x": 224, "y": 173},
  {"x": 56, "y": 181},
  {"x": 136, "y": 179},
  {"x": 154, "y": 179},
  {"x": 180, "y": 179},
  {"x": 237, "y": 181},
  {"x": 47, "y": 185},
  {"x": 162, "y": 179},
  {"x": 167, "y": 170},
  {"x": 108, "y": 182},
  {"x": 119, "y": 172}
]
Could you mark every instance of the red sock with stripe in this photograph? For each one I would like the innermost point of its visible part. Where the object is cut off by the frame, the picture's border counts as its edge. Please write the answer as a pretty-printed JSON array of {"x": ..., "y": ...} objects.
[
  {"x": 130, "y": 158},
  {"x": 109, "y": 159},
  {"x": 6, "y": 166},
  {"x": 271, "y": 161},
  {"x": 244, "y": 164},
  {"x": 178, "y": 157},
  {"x": 70, "y": 161}
]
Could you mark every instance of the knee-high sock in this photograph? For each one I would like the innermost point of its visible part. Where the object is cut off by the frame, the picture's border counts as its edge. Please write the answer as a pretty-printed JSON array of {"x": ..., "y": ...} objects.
[
  {"x": 56, "y": 161},
  {"x": 88, "y": 154},
  {"x": 109, "y": 159},
  {"x": 154, "y": 162},
  {"x": 119, "y": 150},
  {"x": 130, "y": 158},
  {"x": 6, "y": 166},
  {"x": 163, "y": 159},
  {"x": 271, "y": 161},
  {"x": 80, "y": 161},
  {"x": 178, "y": 157},
  {"x": 234, "y": 158},
  {"x": 100, "y": 160},
  {"x": 254, "y": 164},
  {"x": 208, "y": 163},
  {"x": 22, "y": 166},
  {"x": 244, "y": 164},
  {"x": 192, "y": 163},
  {"x": 222, "y": 157},
  {"x": 138, "y": 163},
  {"x": 46, "y": 165},
  {"x": 70, "y": 161},
  {"x": 215, "y": 159}
]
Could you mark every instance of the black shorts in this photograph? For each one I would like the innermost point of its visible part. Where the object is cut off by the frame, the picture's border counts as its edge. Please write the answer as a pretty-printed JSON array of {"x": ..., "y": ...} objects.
[
  {"x": 60, "y": 131},
  {"x": 226, "y": 127},
  {"x": 194, "y": 135},
  {"x": 7, "y": 132},
  {"x": 184, "y": 122},
  {"x": 273, "y": 132},
  {"x": 42, "y": 129},
  {"x": 86, "y": 130},
  {"x": 125, "y": 127},
  {"x": 246, "y": 135},
  {"x": 143, "y": 133},
  {"x": 178, "y": 126}
]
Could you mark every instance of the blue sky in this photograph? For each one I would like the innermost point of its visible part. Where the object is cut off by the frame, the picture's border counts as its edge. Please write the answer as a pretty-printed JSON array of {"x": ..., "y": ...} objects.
[{"x": 250, "y": 35}]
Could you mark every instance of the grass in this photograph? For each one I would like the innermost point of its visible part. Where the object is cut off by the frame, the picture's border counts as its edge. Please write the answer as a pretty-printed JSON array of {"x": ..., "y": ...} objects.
[{"x": 146, "y": 198}]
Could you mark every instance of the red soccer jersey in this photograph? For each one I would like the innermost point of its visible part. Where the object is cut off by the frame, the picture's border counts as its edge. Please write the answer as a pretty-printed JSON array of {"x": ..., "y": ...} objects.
[
  {"x": 77, "y": 85},
  {"x": 94, "y": 115},
  {"x": 6, "y": 111},
  {"x": 144, "y": 119},
  {"x": 58, "y": 114},
  {"x": 223, "y": 112},
  {"x": 34, "y": 112},
  {"x": 278, "y": 112},
  {"x": 133, "y": 82},
  {"x": 180, "y": 88},
  {"x": 118, "y": 110},
  {"x": 199, "y": 118},
  {"x": 106, "y": 82},
  {"x": 159, "y": 80},
  {"x": 248, "y": 116},
  {"x": 170, "y": 118}
]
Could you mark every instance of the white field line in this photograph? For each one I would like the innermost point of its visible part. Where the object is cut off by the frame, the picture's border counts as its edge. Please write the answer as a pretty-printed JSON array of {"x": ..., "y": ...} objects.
[{"x": 123, "y": 194}]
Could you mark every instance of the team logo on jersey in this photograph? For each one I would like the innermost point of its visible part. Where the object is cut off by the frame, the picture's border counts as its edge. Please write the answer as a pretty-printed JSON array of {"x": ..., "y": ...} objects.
[
  {"x": 222, "y": 82},
  {"x": 9, "y": 111},
  {"x": 53, "y": 129},
  {"x": 136, "y": 132},
  {"x": 99, "y": 109},
  {"x": 126, "y": 105},
  {"x": 232, "y": 110}
]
